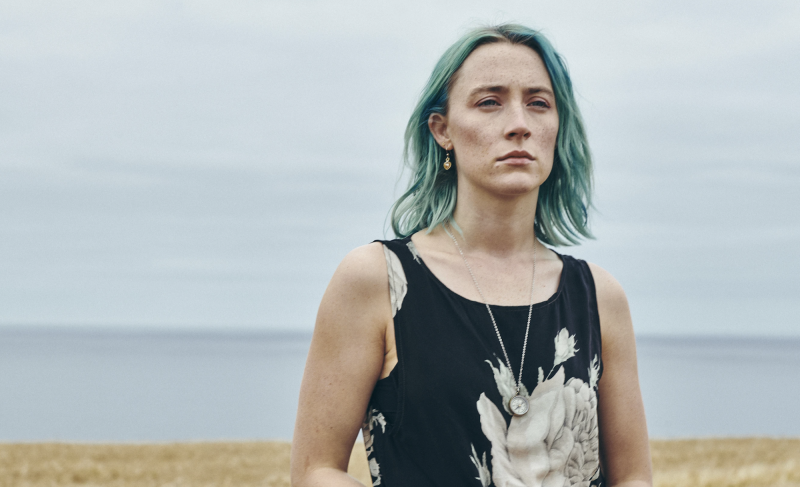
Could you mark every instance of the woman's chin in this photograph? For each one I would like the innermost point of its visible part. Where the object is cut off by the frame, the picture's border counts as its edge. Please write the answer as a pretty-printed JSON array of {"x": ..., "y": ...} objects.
[{"x": 515, "y": 187}]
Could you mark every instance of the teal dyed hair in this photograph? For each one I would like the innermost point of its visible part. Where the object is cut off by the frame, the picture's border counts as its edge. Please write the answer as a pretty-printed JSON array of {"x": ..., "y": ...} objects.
[{"x": 566, "y": 195}]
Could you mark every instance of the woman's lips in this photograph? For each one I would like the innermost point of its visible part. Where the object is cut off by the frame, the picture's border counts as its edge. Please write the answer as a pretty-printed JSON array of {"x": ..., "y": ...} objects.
[
  {"x": 516, "y": 158},
  {"x": 516, "y": 161}
]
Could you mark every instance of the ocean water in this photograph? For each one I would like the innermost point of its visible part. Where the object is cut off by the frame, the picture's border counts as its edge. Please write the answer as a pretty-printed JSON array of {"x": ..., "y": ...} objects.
[{"x": 112, "y": 385}]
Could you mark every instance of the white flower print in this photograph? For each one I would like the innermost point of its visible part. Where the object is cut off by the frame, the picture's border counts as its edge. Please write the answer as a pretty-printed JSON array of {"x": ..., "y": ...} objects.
[
  {"x": 371, "y": 419},
  {"x": 583, "y": 461},
  {"x": 594, "y": 373},
  {"x": 483, "y": 470},
  {"x": 414, "y": 252},
  {"x": 375, "y": 471},
  {"x": 379, "y": 419},
  {"x": 565, "y": 347},
  {"x": 506, "y": 383},
  {"x": 397, "y": 279},
  {"x": 556, "y": 443}
]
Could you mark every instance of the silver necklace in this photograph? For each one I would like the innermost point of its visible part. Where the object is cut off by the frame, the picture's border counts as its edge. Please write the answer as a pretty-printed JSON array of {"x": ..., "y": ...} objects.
[{"x": 518, "y": 405}]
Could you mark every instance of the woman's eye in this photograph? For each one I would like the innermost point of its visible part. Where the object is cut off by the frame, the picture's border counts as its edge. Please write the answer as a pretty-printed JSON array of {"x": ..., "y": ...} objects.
[
  {"x": 540, "y": 104},
  {"x": 488, "y": 103}
]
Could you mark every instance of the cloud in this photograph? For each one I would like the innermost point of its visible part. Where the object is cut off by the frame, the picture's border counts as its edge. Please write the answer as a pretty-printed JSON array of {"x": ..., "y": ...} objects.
[{"x": 150, "y": 148}]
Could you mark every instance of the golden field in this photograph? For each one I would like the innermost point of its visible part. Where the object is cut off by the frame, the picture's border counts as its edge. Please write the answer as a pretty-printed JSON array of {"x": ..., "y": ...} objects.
[{"x": 753, "y": 462}]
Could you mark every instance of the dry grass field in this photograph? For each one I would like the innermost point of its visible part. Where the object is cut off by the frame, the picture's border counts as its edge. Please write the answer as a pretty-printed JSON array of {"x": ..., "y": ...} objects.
[
  {"x": 686, "y": 463},
  {"x": 746, "y": 462}
]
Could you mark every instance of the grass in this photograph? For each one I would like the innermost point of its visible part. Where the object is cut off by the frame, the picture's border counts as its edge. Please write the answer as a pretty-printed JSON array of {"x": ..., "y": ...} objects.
[
  {"x": 744, "y": 462},
  {"x": 747, "y": 462}
]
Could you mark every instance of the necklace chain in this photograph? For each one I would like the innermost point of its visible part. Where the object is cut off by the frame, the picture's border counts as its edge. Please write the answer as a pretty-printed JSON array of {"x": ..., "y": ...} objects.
[{"x": 491, "y": 315}]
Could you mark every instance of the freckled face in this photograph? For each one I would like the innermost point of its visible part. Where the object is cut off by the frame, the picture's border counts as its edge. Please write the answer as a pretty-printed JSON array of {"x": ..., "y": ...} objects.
[{"x": 502, "y": 120}]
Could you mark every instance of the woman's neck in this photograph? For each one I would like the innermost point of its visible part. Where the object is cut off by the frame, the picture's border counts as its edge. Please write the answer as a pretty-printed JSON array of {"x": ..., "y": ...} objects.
[{"x": 497, "y": 226}]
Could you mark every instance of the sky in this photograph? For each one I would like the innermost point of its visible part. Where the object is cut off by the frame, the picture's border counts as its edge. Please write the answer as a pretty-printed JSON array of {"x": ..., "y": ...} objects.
[{"x": 208, "y": 164}]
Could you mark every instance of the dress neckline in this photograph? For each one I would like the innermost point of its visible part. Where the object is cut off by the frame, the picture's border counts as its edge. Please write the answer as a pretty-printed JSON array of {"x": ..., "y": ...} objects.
[{"x": 540, "y": 304}]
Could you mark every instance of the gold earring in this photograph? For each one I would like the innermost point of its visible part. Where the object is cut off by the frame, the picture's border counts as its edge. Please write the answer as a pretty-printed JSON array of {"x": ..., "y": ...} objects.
[{"x": 447, "y": 164}]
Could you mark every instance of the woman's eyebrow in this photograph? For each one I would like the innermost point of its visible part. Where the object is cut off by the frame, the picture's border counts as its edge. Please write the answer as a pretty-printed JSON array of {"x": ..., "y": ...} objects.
[
  {"x": 489, "y": 88},
  {"x": 539, "y": 89},
  {"x": 504, "y": 89}
]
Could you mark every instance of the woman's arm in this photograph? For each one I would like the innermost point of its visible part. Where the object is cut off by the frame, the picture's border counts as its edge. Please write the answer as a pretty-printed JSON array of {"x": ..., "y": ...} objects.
[
  {"x": 344, "y": 362},
  {"x": 623, "y": 431}
]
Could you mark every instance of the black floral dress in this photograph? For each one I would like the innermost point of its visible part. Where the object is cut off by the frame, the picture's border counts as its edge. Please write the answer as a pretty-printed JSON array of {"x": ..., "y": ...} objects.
[{"x": 441, "y": 417}]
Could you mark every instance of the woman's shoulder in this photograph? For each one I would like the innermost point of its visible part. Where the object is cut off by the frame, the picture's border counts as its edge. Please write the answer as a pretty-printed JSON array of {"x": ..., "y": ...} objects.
[
  {"x": 607, "y": 288},
  {"x": 357, "y": 297},
  {"x": 363, "y": 268},
  {"x": 612, "y": 303},
  {"x": 606, "y": 285}
]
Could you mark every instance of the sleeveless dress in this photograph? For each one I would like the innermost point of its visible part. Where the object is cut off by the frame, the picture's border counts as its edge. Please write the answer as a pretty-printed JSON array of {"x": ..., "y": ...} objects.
[{"x": 441, "y": 417}]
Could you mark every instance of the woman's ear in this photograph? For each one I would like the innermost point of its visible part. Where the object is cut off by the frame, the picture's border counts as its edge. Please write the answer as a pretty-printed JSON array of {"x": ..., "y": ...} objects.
[{"x": 437, "y": 123}]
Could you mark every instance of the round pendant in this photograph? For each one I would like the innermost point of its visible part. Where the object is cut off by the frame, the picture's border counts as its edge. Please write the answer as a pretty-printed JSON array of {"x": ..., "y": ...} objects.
[{"x": 518, "y": 405}]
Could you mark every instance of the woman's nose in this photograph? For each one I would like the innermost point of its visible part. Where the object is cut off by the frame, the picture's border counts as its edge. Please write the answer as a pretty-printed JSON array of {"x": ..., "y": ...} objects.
[{"x": 517, "y": 125}]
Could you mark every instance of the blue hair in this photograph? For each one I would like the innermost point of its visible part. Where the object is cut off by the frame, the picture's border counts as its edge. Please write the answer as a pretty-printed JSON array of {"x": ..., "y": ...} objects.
[{"x": 564, "y": 197}]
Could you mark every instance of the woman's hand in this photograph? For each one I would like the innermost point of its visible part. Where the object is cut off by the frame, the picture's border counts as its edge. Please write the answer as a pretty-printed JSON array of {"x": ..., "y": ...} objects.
[
  {"x": 624, "y": 444},
  {"x": 344, "y": 363}
]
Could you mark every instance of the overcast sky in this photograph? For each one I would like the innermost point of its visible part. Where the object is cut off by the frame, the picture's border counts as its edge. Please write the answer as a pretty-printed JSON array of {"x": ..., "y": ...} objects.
[{"x": 208, "y": 164}]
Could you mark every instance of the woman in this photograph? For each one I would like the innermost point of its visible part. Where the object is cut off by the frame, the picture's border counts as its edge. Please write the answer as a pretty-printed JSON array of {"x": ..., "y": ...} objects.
[{"x": 473, "y": 349}]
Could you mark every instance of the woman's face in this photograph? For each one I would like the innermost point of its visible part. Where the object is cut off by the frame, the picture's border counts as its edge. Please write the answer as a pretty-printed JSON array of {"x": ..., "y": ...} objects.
[{"x": 502, "y": 120}]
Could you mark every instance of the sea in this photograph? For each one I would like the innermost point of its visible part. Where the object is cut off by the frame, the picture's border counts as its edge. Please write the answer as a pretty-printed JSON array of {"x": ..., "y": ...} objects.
[{"x": 128, "y": 385}]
